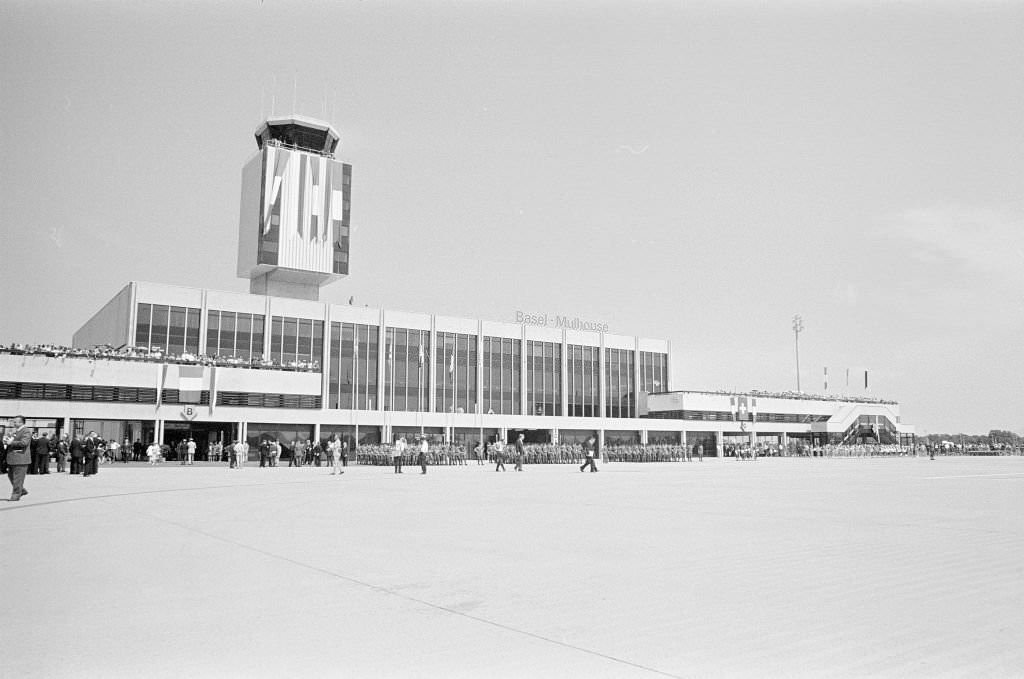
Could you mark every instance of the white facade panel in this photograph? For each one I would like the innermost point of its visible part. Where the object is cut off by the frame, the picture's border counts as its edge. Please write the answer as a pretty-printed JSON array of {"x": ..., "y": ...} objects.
[
  {"x": 67, "y": 370},
  {"x": 500, "y": 329},
  {"x": 541, "y": 334},
  {"x": 460, "y": 325},
  {"x": 249, "y": 216},
  {"x": 653, "y": 345},
  {"x": 111, "y": 324},
  {"x": 268, "y": 381},
  {"x": 406, "y": 319},
  {"x": 345, "y": 313},
  {"x": 171, "y": 295},
  {"x": 586, "y": 339},
  {"x": 619, "y": 342},
  {"x": 296, "y": 308},
  {"x": 236, "y": 301}
]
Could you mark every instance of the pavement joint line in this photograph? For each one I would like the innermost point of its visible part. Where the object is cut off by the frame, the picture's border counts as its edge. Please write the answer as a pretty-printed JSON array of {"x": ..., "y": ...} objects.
[
  {"x": 973, "y": 476},
  {"x": 422, "y": 602}
]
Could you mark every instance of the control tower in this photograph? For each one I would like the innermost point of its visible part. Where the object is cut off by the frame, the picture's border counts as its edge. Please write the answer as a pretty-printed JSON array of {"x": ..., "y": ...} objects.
[{"x": 293, "y": 229}]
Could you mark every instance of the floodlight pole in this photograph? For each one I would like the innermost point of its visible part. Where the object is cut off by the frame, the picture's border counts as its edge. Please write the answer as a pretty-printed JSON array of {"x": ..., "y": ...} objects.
[{"x": 798, "y": 326}]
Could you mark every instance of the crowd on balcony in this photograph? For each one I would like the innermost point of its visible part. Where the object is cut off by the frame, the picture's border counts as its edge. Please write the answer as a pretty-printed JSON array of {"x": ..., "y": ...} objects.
[
  {"x": 156, "y": 355},
  {"x": 799, "y": 395}
]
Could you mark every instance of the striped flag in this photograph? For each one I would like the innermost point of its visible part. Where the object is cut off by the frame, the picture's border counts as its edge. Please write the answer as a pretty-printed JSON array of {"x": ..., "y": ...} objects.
[
  {"x": 421, "y": 355},
  {"x": 826, "y": 378},
  {"x": 190, "y": 383},
  {"x": 451, "y": 365}
]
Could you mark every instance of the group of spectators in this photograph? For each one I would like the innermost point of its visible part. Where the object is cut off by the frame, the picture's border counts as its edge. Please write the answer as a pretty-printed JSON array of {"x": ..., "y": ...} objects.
[
  {"x": 796, "y": 395},
  {"x": 156, "y": 355},
  {"x": 72, "y": 454}
]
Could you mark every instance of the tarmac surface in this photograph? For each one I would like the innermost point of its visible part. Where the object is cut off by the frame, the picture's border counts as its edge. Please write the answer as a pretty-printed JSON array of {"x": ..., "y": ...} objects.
[{"x": 896, "y": 567}]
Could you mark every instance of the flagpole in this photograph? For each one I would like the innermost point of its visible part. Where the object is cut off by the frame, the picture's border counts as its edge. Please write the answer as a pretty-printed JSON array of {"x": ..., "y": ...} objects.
[
  {"x": 391, "y": 390},
  {"x": 355, "y": 386}
]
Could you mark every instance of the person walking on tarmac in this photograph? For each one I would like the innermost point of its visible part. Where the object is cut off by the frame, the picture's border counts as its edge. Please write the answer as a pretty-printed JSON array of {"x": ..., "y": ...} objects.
[
  {"x": 397, "y": 453},
  {"x": 590, "y": 450},
  {"x": 499, "y": 455},
  {"x": 520, "y": 453},
  {"x": 421, "y": 459},
  {"x": 19, "y": 456}
]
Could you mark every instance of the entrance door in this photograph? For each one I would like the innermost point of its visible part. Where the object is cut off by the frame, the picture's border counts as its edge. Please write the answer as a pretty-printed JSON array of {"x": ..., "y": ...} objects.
[{"x": 205, "y": 434}]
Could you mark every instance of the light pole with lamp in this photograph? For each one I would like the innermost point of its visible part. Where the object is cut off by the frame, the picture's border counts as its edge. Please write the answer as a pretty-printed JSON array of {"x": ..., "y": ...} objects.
[{"x": 798, "y": 326}]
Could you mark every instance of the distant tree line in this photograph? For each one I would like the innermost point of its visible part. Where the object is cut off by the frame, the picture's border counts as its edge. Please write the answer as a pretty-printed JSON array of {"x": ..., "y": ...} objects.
[{"x": 994, "y": 437}]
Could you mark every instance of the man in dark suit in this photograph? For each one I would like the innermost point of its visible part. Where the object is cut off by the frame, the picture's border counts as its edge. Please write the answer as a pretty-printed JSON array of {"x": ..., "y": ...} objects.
[
  {"x": 3, "y": 450},
  {"x": 60, "y": 449},
  {"x": 19, "y": 457},
  {"x": 41, "y": 454},
  {"x": 93, "y": 450},
  {"x": 77, "y": 454},
  {"x": 520, "y": 453}
]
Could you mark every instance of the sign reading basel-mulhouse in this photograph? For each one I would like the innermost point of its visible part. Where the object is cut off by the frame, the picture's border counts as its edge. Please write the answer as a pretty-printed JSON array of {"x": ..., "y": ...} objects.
[{"x": 555, "y": 321}]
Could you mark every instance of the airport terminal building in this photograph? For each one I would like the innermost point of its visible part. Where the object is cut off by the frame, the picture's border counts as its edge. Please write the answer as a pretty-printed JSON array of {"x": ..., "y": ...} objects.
[{"x": 277, "y": 362}]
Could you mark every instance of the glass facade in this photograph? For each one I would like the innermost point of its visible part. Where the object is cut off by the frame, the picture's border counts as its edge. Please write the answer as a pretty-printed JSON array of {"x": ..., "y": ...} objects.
[
  {"x": 502, "y": 372},
  {"x": 407, "y": 370},
  {"x": 584, "y": 384},
  {"x": 285, "y": 434},
  {"x": 353, "y": 376},
  {"x": 340, "y": 227},
  {"x": 460, "y": 373},
  {"x": 543, "y": 378},
  {"x": 653, "y": 372},
  {"x": 618, "y": 371},
  {"x": 296, "y": 339},
  {"x": 173, "y": 329},
  {"x": 455, "y": 363},
  {"x": 230, "y": 334}
]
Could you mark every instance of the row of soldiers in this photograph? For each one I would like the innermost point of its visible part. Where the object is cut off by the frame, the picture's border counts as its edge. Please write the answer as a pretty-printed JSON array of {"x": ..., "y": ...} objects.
[{"x": 534, "y": 453}]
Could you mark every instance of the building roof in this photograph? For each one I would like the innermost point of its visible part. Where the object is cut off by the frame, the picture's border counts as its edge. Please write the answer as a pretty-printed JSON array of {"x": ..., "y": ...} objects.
[{"x": 304, "y": 133}]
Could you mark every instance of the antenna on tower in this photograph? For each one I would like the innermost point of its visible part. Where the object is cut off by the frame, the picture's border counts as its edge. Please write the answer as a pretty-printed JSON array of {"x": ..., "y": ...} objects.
[{"x": 295, "y": 92}]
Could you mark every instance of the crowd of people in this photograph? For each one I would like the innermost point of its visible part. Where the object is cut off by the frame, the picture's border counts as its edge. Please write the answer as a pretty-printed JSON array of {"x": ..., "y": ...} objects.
[
  {"x": 156, "y": 355},
  {"x": 33, "y": 452},
  {"x": 27, "y": 452},
  {"x": 799, "y": 395}
]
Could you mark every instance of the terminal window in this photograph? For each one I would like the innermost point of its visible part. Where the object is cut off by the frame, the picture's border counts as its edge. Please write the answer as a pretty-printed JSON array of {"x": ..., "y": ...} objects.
[
  {"x": 172, "y": 329},
  {"x": 407, "y": 369}
]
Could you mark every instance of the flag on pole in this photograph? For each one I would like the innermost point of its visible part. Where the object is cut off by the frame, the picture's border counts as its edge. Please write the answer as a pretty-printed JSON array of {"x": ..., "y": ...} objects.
[
  {"x": 847, "y": 379},
  {"x": 826, "y": 378},
  {"x": 421, "y": 355},
  {"x": 865, "y": 379},
  {"x": 451, "y": 364}
]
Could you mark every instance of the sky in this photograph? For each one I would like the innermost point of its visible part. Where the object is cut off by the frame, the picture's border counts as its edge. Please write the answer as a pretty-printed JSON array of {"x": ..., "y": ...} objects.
[{"x": 699, "y": 172}]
